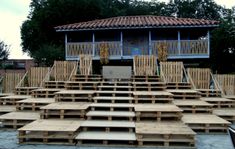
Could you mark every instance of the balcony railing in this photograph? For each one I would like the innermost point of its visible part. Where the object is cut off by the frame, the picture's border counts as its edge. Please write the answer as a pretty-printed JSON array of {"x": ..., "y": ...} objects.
[{"x": 176, "y": 49}]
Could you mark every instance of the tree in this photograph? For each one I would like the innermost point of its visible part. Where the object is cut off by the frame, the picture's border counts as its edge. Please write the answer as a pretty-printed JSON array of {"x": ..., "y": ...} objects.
[{"x": 4, "y": 51}]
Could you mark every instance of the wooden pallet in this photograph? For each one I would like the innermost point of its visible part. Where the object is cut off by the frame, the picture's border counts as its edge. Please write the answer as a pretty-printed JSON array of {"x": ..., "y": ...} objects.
[
  {"x": 85, "y": 78},
  {"x": 74, "y": 96},
  {"x": 18, "y": 119},
  {"x": 146, "y": 78},
  {"x": 107, "y": 99},
  {"x": 115, "y": 88},
  {"x": 112, "y": 107},
  {"x": 45, "y": 92},
  {"x": 210, "y": 92},
  {"x": 194, "y": 106},
  {"x": 227, "y": 114},
  {"x": 24, "y": 90},
  {"x": 11, "y": 100},
  {"x": 33, "y": 104},
  {"x": 157, "y": 112},
  {"x": 205, "y": 123},
  {"x": 220, "y": 102},
  {"x": 179, "y": 85},
  {"x": 106, "y": 138},
  {"x": 108, "y": 126},
  {"x": 165, "y": 134},
  {"x": 6, "y": 109},
  {"x": 110, "y": 115},
  {"x": 49, "y": 132},
  {"x": 185, "y": 94},
  {"x": 54, "y": 84},
  {"x": 65, "y": 110},
  {"x": 71, "y": 85},
  {"x": 229, "y": 97},
  {"x": 149, "y": 86},
  {"x": 114, "y": 93},
  {"x": 152, "y": 97}
]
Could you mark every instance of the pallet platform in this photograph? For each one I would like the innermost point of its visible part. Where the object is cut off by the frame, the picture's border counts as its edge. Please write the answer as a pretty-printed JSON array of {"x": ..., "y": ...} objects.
[
  {"x": 205, "y": 123},
  {"x": 45, "y": 92},
  {"x": 229, "y": 97},
  {"x": 49, "y": 132},
  {"x": 157, "y": 112},
  {"x": 85, "y": 78},
  {"x": 24, "y": 90},
  {"x": 108, "y": 126},
  {"x": 114, "y": 93},
  {"x": 74, "y": 96},
  {"x": 112, "y": 107},
  {"x": 54, "y": 84},
  {"x": 106, "y": 138},
  {"x": 116, "y": 83},
  {"x": 152, "y": 97},
  {"x": 33, "y": 104},
  {"x": 178, "y": 85},
  {"x": 11, "y": 100},
  {"x": 149, "y": 86},
  {"x": 220, "y": 102},
  {"x": 115, "y": 88},
  {"x": 194, "y": 106},
  {"x": 210, "y": 92},
  {"x": 107, "y": 99},
  {"x": 185, "y": 94},
  {"x": 65, "y": 110},
  {"x": 146, "y": 78},
  {"x": 165, "y": 134},
  {"x": 6, "y": 94},
  {"x": 110, "y": 115},
  {"x": 18, "y": 119},
  {"x": 6, "y": 109},
  {"x": 70, "y": 85},
  {"x": 227, "y": 114}
]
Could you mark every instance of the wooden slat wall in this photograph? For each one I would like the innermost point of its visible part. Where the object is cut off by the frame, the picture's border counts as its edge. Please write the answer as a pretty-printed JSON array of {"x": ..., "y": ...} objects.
[
  {"x": 62, "y": 70},
  {"x": 10, "y": 81},
  {"x": 145, "y": 65},
  {"x": 201, "y": 77},
  {"x": 173, "y": 71},
  {"x": 227, "y": 83},
  {"x": 36, "y": 75},
  {"x": 85, "y": 66}
]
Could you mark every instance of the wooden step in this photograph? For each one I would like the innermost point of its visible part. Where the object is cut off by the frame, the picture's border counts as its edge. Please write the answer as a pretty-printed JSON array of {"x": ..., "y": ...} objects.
[
  {"x": 6, "y": 109},
  {"x": 72, "y": 85},
  {"x": 210, "y": 92},
  {"x": 116, "y": 83},
  {"x": 33, "y": 104},
  {"x": 219, "y": 102},
  {"x": 105, "y": 99},
  {"x": 115, "y": 88},
  {"x": 112, "y": 107},
  {"x": 114, "y": 93},
  {"x": 184, "y": 94},
  {"x": 110, "y": 115},
  {"x": 11, "y": 100},
  {"x": 74, "y": 96},
  {"x": 6, "y": 94},
  {"x": 54, "y": 84},
  {"x": 226, "y": 113},
  {"x": 179, "y": 85}
]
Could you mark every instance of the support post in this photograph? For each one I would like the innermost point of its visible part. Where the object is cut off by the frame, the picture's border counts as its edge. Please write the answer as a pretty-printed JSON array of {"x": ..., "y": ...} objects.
[
  {"x": 150, "y": 43},
  {"x": 208, "y": 43},
  {"x": 66, "y": 46},
  {"x": 179, "y": 43},
  {"x": 93, "y": 44},
  {"x": 121, "y": 43}
]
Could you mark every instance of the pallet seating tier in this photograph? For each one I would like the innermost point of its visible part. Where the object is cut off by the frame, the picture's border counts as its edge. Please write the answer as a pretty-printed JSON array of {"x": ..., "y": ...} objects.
[
  {"x": 65, "y": 110},
  {"x": 194, "y": 106},
  {"x": 114, "y": 93},
  {"x": 49, "y": 132},
  {"x": 112, "y": 107},
  {"x": 107, "y": 99},
  {"x": 18, "y": 119},
  {"x": 149, "y": 86},
  {"x": 45, "y": 92},
  {"x": 86, "y": 78},
  {"x": 178, "y": 85},
  {"x": 111, "y": 115},
  {"x": 25, "y": 90},
  {"x": 157, "y": 112},
  {"x": 206, "y": 123},
  {"x": 185, "y": 94},
  {"x": 33, "y": 104},
  {"x": 115, "y": 88},
  {"x": 6, "y": 109},
  {"x": 11, "y": 100},
  {"x": 164, "y": 134},
  {"x": 227, "y": 114},
  {"x": 220, "y": 102},
  {"x": 210, "y": 92},
  {"x": 74, "y": 96},
  {"x": 54, "y": 84},
  {"x": 72, "y": 85},
  {"x": 146, "y": 78}
]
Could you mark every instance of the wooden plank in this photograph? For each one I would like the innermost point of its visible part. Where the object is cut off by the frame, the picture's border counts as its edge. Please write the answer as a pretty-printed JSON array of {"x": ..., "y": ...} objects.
[
  {"x": 220, "y": 102},
  {"x": 67, "y": 106},
  {"x": 6, "y": 109}
]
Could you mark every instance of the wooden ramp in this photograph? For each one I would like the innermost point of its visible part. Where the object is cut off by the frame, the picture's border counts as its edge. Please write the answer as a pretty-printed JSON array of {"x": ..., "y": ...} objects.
[
  {"x": 74, "y": 96},
  {"x": 11, "y": 100},
  {"x": 194, "y": 106},
  {"x": 18, "y": 119},
  {"x": 65, "y": 110},
  {"x": 145, "y": 65},
  {"x": 157, "y": 112},
  {"x": 164, "y": 134},
  {"x": 185, "y": 94},
  {"x": 219, "y": 102},
  {"x": 226, "y": 113},
  {"x": 33, "y": 104},
  {"x": 49, "y": 132},
  {"x": 205, "y": 123}
]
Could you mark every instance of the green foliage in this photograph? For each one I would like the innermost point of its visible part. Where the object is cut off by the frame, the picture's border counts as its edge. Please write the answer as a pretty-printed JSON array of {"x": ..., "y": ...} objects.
[{"x": 4, "y": 50}]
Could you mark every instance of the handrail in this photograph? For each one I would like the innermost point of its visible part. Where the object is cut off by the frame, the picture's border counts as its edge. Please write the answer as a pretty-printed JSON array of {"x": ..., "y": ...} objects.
[{"x": 20, "y": 83}]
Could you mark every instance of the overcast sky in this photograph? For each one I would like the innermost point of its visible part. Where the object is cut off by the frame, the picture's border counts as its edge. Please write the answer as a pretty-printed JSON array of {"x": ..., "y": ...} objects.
[{"x": 14, "y": 12}]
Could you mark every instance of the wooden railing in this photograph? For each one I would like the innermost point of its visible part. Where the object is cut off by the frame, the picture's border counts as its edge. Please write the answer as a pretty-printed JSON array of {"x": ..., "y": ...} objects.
[
  {"x": 78, "y": 48},
  {"x": 113, "y": 48}
]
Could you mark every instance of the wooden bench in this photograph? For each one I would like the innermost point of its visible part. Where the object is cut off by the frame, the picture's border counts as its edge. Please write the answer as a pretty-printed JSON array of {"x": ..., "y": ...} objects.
[
  {"x": 74, "y": 96},
  {"x": 11, "y": 100},
  {"x": 107, "y": 99},
  {"x": 227, "y": 114},
  {"x": 185, "y": 94},
  {"x": 33, "y": 104},
  {"x": 220, "y": 102},
  {"x": 110, "y": 115}
]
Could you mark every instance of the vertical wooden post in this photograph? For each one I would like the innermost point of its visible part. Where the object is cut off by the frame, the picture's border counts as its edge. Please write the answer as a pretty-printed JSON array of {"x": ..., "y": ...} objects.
[
  {"x": 93, "y": 44},
  {"x": 121, "y": 43},
  {"x": 208, "y": 44},
  {"x": 179, "y": 43},
  {"x": 66, "y": 46},
  {"x": 150, "y": 43}
]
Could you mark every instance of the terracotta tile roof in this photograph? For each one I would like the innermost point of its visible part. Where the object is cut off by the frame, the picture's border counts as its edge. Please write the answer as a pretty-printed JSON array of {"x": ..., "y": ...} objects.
[{"x": 148, "y": 21}]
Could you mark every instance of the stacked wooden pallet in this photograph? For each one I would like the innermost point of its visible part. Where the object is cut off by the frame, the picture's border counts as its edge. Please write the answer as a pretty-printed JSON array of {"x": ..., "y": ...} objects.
[
  {"x": 220, "y": 102},
  {"x": 45, "y": 92},
  {"x": 12, "y": 99},
  {"x": 210, "y": 92},
  {"x": 74, "y": 96},
  {"x": 179, "y": 85},
  {"x": 226, "y": 113},
  {"x": 54, "y": 84},
  {"x": 33, "y": 104},
  {"x": 81, "y": 85},
  {"x": 185, "y": 94},
  {"x": 149, "y": 86},
  {"x": 86, "y": 78},
  {"x": 145, "y": 78},
  {"x": 24, "y": 90}
]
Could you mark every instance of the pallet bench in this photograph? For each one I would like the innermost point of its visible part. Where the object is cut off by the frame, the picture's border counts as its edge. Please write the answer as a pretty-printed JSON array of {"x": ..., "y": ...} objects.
[
  {"x": 91, "y": 85},
  {"x": 106, "y": 138},
  {"x": 146, "y": 78},
  {"x": 194, "y": 106},
  {"x": 24, "y": 90},
  {"x": 115, "y": 83},
  {"x": 152, "y": 97},
  {"x": 219, "y": 102},
  {"x": 110, "y": 115},
  {"x": 107, "y": 99},
  {"x": 74, "y": 96},
  {"x": 6, "y": 94},
  {"x": 115, "y": 88},
  {"x": 6, "y": 109},
  {"x": 84, "y": 78},
  {"x": 178, "y": 85},
  {"x": 45, "y": 92},
  {"x": 54, "y": 84},
  {"x": 157, "y": 112},
  {"x": 149, "y": 86},
  {"x": 185, "y": 94},
  {"x": 210, "y": 92},
  {"x": 18, "y": 119},
  {"x": 49, "y": 132},
  {"x": 11, "y": 100},
  {"x": 112, "y": 107},
  {"x": 205, "y": 123},
  {"x": 33, "y": 104},
  {"x": 65, "y": 110},
  {"x": 164, "y": 134},
  {"x": 114, "y": 93},
  {"x": 227, "y": 114}
]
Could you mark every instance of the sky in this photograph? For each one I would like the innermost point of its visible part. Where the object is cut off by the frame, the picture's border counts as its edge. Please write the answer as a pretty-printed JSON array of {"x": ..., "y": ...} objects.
[{"x": 14, "y": 12}]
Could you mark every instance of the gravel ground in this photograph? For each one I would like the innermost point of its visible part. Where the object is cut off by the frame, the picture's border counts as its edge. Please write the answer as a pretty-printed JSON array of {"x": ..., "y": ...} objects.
[{"x": 8, "y": 140}]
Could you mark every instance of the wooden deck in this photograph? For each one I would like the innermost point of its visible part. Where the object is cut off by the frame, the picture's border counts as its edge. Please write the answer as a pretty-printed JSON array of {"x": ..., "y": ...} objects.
[
  {"x": 164, "y": 134},
  {"x": 227, "y": 114},
  {"x": 33, "y": 104},
  {"x": 206, "y": 123},
  {"x": 49, "y": 132}
]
